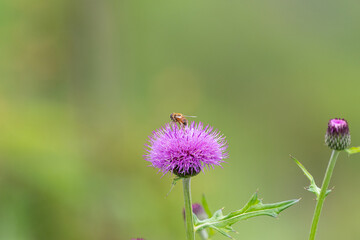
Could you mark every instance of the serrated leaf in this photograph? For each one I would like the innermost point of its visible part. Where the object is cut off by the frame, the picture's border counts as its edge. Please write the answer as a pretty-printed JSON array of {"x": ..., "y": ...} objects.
[
  {"x": 223, "y": 232},
  {"x": 313, "y": 187},
  {"x": 353, "y": 150},
  {"x": 253, "y": 208}
]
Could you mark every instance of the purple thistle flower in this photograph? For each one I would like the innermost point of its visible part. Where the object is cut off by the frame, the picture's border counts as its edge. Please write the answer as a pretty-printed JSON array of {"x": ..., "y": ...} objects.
[
  {"x": 337, "y": 136},
  {"x": 185, "y": 151}
]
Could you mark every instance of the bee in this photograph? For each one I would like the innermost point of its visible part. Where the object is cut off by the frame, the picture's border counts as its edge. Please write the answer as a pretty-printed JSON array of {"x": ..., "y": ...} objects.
[{"x": 179, "y": 118}]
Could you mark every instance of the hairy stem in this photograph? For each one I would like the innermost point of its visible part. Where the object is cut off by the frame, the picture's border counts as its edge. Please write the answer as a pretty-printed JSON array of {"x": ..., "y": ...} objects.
[
  {"x": 190, "y": 233},
  {"x": 321, "y": 198}
]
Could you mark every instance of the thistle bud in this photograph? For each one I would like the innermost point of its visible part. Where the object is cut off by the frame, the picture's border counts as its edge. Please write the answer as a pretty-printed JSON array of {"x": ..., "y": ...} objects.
[
  {"x": 337, "y": 136},
  {"x": 198, "y": 210}
]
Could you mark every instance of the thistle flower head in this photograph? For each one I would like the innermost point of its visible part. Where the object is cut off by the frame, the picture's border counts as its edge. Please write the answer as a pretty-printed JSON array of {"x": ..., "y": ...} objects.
[
  {"x": 337, "y": 136},
  {"x": 185, "y": 151}
]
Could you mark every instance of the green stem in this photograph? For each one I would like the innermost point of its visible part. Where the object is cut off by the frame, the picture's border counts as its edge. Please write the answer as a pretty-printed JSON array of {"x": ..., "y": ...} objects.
[
  {"x": 324, "y": 187},
  {"x": 190, "y": 233}
]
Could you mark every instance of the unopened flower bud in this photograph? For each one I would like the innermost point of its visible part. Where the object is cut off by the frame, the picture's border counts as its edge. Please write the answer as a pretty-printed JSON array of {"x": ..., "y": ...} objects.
[
  {"x": 198, "y": 210},
  {"x": 337, "y": 136}
]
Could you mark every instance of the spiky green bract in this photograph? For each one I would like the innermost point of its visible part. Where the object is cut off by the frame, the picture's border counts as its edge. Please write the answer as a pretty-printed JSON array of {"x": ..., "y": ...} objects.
[
  {"x": 337, "y": 136},
  {"x": 313, "y": 187},
  {"x": 253, "y": 208}
]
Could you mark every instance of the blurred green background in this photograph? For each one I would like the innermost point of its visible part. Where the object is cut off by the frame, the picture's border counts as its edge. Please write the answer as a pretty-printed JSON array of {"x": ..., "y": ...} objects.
[{"x": 83, "y": 83}]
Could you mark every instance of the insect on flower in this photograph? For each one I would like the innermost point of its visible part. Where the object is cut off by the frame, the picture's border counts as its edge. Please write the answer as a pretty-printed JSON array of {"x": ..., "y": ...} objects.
[
  {"x": 180, "y": 118},
  {"x": 186, "y": 151}
]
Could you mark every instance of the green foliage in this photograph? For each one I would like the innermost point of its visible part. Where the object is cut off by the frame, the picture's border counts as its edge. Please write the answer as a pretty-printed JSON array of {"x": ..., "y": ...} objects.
[
  {"x": 352, "y": 150},
  {"x": 313, "y": 187},
  {"x": 205, "y": 205},
  {"x": 253, "y": 208}
]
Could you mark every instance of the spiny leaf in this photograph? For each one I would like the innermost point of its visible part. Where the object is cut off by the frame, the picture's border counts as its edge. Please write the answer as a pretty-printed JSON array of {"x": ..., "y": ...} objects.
[
  {"x": 253, "y": 208},
  {"x": 353, "y": 150},
  {"x": 222, "y": 232},
  {"x": 313, "y": 187},
  {"x": 307, "y": 174}
]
